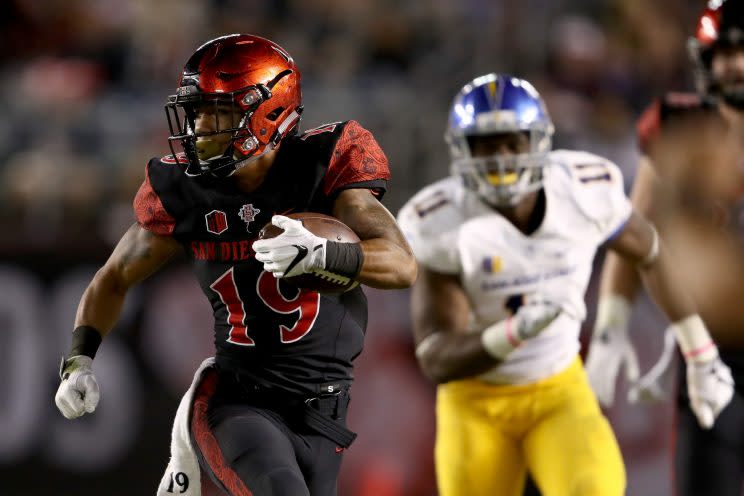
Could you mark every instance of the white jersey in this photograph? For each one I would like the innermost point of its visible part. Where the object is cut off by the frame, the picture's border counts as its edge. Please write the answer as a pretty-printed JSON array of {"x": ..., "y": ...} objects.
[{"x": 452, "y": 231}]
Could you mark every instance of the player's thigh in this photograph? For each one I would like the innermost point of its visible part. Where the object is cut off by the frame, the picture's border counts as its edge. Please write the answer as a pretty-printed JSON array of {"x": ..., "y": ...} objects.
[
  {"x": 710, "y": 461},
  {"x": 572, "y": 451},
  {"x": 473, "y": 457},
  {"x": 256, "y": 445},
  {"x": 320, "y": 460}
]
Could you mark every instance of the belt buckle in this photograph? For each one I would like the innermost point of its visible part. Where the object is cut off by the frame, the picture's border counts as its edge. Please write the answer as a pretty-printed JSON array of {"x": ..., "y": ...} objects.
[{"x": 331, "y": 393}]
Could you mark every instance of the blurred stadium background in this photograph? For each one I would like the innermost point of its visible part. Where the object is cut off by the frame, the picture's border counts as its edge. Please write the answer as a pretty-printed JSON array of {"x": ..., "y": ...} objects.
[{"x": 83, "y": 83}]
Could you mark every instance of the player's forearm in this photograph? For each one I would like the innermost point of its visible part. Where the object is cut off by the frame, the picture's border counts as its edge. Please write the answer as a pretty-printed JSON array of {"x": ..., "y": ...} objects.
[
  {"x": 619, "y": 278},
  {"x": 449, "y": 356},
  {"x": 666, "y": 290},
  {"x": 387, "y": 265},
  {"x": 672, "y": 297},
  {"x": 101, "y": 304}
]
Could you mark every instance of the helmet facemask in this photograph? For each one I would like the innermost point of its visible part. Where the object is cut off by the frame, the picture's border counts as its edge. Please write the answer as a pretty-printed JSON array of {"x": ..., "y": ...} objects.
[
  {"x": 502, "y": 180},
  {"x": 242, "y": 145},
  {"x": 489, "y": 120},
  {"x": 721, "y": 28},
  {"x": 732, "y": 92}
]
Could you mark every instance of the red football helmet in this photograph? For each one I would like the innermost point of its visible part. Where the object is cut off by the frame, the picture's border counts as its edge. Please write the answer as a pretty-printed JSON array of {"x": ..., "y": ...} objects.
[
  {"x": 720, "y": 25},
  {"x": 256, "y": 78}
]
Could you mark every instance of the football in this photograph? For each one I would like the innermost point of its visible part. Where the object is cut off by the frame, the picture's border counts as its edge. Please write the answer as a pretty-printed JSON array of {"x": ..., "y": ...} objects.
[{"x": 326, "y": 227}]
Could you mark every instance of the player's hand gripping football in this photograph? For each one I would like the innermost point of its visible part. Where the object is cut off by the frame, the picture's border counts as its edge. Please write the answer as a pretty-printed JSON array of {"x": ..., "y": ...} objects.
[
  {"x": 610, "y": 349},
  {"x": 78, "y": 392},
  {"x": 293, "y": 252},
  {"x": 710, "y": 387}
]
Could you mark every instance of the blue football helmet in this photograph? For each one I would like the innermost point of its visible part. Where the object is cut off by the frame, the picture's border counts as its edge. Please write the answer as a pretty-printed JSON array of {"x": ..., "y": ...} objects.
[{"x": 497, "y": 104}]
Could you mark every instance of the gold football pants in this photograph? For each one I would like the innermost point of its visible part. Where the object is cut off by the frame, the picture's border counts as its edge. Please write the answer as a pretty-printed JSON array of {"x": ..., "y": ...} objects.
[{"x": 488, "y": 436}]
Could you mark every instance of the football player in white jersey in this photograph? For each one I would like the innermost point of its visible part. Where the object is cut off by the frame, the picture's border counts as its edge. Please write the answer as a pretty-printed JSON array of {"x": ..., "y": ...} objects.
[{"x": 505, "y": 248}]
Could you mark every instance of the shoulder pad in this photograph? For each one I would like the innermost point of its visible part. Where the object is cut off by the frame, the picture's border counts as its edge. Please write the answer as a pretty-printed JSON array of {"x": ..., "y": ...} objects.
[
  {"x": 149, "y": 209},
  {"x": 430, "y": 222},
  {"x": 357, "y": 160},
  {"x": 595, "y": 185},
  {"x": 667, "y": 109}
]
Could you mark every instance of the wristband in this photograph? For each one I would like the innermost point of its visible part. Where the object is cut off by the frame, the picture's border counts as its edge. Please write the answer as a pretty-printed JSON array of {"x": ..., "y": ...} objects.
[
  {"x": 694, "y": 340},
  {"x": 85, "y": 341},
  {"x": 501, "y": 338},
  {"x": 344, "y": 259}
]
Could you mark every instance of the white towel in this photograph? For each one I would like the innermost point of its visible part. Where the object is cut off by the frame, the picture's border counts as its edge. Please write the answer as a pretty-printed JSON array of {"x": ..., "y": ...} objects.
[{"x": 183, "y": 476}]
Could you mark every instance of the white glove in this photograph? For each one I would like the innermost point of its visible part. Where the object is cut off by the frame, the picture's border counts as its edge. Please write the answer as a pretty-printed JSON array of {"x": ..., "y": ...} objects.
[
  {"x": 610, "y": 349},
  {"x": 293, "y": 252},
  {"x": 654, "y": 386},
  {"x": 533, "y": 317},
  {"x": 709, "y": 382},
  {"x": 710, "y": 387},
  {"x": 78, "y": 392}
]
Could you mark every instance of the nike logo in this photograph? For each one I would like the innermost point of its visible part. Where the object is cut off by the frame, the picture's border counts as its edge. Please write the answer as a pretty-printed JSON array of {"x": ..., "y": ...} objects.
[
  {"x": 339, "y": 449},
  {"x": 301, "y": 253}
]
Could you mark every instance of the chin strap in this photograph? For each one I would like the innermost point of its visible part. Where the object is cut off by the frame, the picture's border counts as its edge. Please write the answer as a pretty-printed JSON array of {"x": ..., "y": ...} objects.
[{"x": 247, "y": 161}]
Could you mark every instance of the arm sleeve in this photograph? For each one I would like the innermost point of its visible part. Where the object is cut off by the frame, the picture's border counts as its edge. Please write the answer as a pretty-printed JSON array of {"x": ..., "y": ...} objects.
[
  {"x": 357, "y": 161},
  {"x": 149, "y": 210}
]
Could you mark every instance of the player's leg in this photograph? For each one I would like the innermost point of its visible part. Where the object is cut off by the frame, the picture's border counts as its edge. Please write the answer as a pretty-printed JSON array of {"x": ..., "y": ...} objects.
[
  {"x": 709, "y": 461},
  {"x": 320, "y": 463},
  {"x": 571, "y": 450},
  {"x": 256, "y": 444},
  {"x": 320, "y": 457},
  {"x": 473, "y": 455},
  {"x": 245, "y": 449}
]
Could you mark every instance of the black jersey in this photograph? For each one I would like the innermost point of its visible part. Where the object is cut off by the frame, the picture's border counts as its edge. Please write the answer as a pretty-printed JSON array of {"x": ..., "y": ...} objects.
[{"x": 266, "y": 329}]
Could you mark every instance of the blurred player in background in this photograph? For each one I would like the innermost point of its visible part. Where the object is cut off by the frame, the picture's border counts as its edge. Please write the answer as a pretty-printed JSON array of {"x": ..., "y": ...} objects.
[
  {"x": 505, "y": 248},
  {"x": 690, "y": 181},
  {"x": 273, "y": 421}
]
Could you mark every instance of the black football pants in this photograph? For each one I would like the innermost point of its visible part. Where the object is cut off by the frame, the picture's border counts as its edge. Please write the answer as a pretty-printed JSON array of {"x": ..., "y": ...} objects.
[
  {"x": 711, "y": 462},
  {"x": 258, "y": 444},
  {"x": 272, "y": 458}
]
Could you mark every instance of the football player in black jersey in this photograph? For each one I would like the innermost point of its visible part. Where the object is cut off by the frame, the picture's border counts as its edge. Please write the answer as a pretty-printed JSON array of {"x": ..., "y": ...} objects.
[
  {"x": 692, "y": 144},
  {"x": 277, "y": 397}
]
